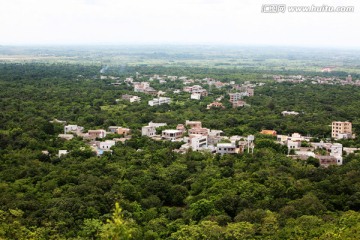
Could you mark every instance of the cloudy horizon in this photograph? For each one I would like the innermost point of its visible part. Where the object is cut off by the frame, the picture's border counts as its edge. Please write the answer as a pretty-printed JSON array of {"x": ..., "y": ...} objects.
[{"x": 216, "y": 22}]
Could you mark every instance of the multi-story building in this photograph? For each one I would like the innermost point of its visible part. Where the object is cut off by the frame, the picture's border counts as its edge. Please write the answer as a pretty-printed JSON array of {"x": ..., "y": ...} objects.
[
  {"x": 73, "y": 128},
  {"x": 152, "y": 124},
  {"x": 106, "y": 145},
  {"x": 215, "y": 136},
  {"x": 193, "y": 124},
  {"x": 197, "y": 141},
  {"x": 141, "y": 87},
  {"x": 123, "y": 131},
  {"x": 250, "y": 92},
  {"x": 225, "y": 148},
  {"x": 181, "y": 128},
  {"x": 199, "y": 131},
  {"x": 238, "y": 103},
  {"x": 235, "y": 96},
  {"x": 100, "y": 133},
  {"x": 171, "y": 134},
  {"x": 195, "y": 96},
  {"x": 149, "y": 131},
  {"x": 341, "y": 130},
  {"x": 336, "y": 151},
  {"x": 159, "y": 101},
  {"x": 131, "y": 98},
  {"x": 196, "y": 89},
  {"x": 113, "y": 129}
]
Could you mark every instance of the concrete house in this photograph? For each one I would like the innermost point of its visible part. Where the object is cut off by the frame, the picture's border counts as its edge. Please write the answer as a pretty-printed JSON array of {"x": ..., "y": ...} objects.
[
  {"x": 226, "y": 148},
  {"x": 250, "y": 92},
  {"x": 131, "y": 98},
  {"x": 62, "y": 152},
  {"x": 195, "y": 96},
  {"x": 235, "y": 96},
  {"x": 123, "y": 131},
  {"x": 73, "y": 129},
  {"x": 107, "y": 144},
  {"x": 159, "y": 101},
  {"x": 288, "y": 113},
  {"x": 113, "y": 129},
  {"x": 100, "y": 133},
  {"x": 341, "y": 130},
  {"x": 215, "y": 105},
  {"x": 238, "y": 103},
  {"x": 171, "y": 134},
  {"x": 152, "y": 124},
  {"x": 268, "y": 132},
  {"x": 193, "y": 124},
  {"x": 336, "y": 151},
  {"x": 197, "y": 141},
  {"x": 149, "y": 131},
  {"x": 199, "y": 131}
]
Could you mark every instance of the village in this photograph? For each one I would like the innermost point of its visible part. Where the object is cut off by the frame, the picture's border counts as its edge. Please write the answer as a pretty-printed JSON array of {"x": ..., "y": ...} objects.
[
  {"x": 194, "y": 87},
  {"x": 317, "y": 79},
  {"x": 196, "y": 137}
]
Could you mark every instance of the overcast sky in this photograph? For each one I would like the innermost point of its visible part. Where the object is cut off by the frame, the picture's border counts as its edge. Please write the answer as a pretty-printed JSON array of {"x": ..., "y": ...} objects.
[{"x": 24, "y": 22}]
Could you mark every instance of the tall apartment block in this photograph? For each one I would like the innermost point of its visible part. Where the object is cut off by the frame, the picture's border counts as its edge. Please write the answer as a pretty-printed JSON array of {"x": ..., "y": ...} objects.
[{"x": 341, "y": 130}]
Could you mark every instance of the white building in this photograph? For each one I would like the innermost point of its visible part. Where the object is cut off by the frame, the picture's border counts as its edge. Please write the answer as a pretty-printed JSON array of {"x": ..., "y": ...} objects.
[
  {"x": 235, "y": 96},
  {"x": 62, "y": 152},
  {"x": 293, "y": 144},
  {"x": 73, "y": 128},
  {"x": 141, "y": 87},
  {"x": 149, "y": 131},
  {"x": 214, "y": 137},
  {"x": 107, "y": 144},
  {"x": 195, "y": 96},
  {"x": 336, "y": 151},
  {"x": 171, "y": 134},
  {"x": 135, "y": 99},
  {"x": 131, "y": 98},
  {"x": 287, "y": 113},
  {"x": 159, "y": 101},
  {"x": 197, "y": 141},
  {"x": 225, "y": 148},
  {"x": 295, "y": 137},
  {"x": 152, "y": 124}
]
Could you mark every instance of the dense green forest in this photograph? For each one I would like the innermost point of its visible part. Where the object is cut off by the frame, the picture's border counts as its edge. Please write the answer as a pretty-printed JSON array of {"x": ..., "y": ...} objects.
[{"x": 144, "y": 190}]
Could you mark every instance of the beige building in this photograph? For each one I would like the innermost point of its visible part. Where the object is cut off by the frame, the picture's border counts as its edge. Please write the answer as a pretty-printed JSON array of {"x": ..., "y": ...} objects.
[
  {"x": 193, "y": 124},
  {"x": 100, "y": 133},
  {"x": 341, "y": 130}
]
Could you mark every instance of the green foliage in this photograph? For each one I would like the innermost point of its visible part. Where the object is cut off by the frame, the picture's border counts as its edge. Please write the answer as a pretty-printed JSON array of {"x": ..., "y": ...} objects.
[
  {"x": 118, "y": 228},
  {"x": 163, "y": 194}
]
